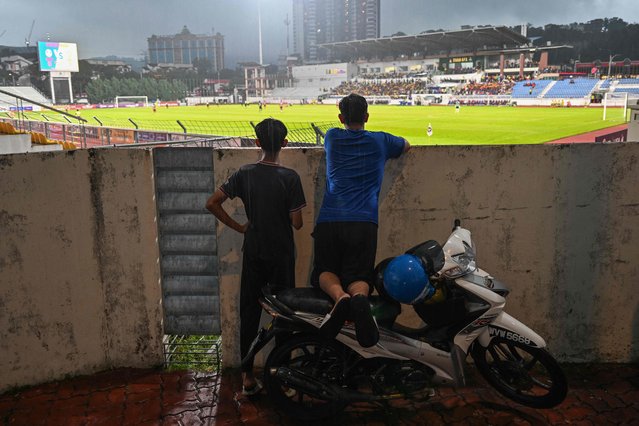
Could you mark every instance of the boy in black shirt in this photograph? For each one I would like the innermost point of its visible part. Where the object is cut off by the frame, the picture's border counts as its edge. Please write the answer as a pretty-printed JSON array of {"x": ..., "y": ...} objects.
[{"x": 273, "y": 200}]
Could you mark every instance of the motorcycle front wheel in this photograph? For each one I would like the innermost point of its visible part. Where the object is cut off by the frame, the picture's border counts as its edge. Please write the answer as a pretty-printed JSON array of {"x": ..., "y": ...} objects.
[
  {"x": 310, "y": 355},
  {"x": 527, "y": 375}
]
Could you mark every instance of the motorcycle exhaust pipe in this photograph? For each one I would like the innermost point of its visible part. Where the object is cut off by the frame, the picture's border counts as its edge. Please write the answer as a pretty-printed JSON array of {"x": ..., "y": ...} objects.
[
  {"x": 304, "y": 383},
  {"x": 311, "y": 386}
]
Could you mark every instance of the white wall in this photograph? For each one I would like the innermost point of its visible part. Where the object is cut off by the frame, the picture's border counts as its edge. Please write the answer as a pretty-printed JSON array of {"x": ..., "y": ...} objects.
[
  {"x": 425, "y": 64},
  {"x": 323, "y": 76}
]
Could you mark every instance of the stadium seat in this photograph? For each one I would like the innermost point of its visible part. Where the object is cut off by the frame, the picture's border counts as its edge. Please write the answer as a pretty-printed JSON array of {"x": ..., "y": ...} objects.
[
  {"x": 7, "y": 128},
  {"x": 629, "y": 81},
  {"x": 67, "y": 146},
  {"x": 572, "y": 88},
  {"x": 38, "y": 138},
  {"x": 629, "y": 90},
  {"x": 523, "y": 88}
]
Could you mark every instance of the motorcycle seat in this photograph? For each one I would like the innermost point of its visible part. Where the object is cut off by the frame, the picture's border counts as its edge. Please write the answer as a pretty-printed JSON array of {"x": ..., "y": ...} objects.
[{"x": 309, "y": 299}]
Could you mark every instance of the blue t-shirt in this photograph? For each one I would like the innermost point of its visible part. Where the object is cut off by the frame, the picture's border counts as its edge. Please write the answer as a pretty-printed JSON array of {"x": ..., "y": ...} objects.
[{"x": 354, "y": 171}]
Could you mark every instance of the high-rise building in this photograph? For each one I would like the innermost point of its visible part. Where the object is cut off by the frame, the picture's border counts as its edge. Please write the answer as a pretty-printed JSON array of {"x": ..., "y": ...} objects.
[
  {"x": 328, "y": 21},
  {"x": 183, "y": 48}
]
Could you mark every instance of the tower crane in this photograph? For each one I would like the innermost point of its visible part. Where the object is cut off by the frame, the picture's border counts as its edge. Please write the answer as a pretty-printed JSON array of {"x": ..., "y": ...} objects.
[{"x": 27, "y": 39}]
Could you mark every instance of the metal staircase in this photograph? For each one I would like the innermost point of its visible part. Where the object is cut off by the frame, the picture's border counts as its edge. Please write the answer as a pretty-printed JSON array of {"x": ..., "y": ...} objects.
[{"x": 187, "y": 240}]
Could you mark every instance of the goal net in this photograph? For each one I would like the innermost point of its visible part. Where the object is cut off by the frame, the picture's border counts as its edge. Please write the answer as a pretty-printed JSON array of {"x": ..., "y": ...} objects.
[
  {"x": 131, "y": 101},
  {"x": 619, "y": 101}
]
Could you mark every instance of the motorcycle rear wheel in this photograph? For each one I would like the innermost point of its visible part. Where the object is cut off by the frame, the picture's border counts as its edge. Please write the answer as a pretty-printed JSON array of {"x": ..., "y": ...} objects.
[
  {"x": 311, "y": 355},
  {"x": 527, "y": 375}
]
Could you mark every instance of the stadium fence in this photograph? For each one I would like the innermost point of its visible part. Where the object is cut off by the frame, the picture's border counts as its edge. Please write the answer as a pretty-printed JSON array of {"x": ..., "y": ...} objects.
[{"x": 100, "y": 132}]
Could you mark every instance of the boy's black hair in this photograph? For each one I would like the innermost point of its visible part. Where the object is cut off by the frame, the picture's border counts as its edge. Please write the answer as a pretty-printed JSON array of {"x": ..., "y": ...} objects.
[
  {"x": 271, "y": 134},
  {"x": 353, "y": 108}
]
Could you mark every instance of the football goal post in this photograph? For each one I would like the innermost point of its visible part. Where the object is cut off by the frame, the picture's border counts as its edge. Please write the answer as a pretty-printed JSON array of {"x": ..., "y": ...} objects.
[
  {"x": 619, "y": 100},
  {"x": 131, "y": 101}
]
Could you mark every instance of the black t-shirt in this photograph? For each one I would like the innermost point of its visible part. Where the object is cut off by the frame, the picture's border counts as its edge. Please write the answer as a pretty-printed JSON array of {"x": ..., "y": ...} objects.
[{"x": 270, "y": 193}]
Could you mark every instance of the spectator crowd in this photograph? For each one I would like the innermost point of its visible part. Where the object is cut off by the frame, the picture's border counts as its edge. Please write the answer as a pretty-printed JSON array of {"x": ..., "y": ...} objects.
[
  {"x": 392, "y": 88},
  {"x": 402, "y": 88},
  {"x": 487, "y": 86}
]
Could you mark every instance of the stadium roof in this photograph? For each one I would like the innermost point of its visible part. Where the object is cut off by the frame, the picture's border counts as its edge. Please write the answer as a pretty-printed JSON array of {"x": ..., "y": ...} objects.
[{"x": 432, "y": 43}]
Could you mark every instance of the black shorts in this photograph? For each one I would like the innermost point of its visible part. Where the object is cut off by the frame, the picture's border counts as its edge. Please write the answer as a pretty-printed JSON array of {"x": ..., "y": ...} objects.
[{"x": 346, "y": 249}]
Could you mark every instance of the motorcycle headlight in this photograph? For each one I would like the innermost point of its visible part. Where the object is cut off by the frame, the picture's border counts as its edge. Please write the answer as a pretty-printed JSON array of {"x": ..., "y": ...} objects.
[{"x": 465, "y": 263}]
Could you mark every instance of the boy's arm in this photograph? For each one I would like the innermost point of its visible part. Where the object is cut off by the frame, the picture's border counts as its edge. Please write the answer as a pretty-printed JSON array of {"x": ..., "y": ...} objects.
[
  {"x": 297, "y": 202},
  {"x": 296, "y": 219},
  {"x": 406, "y": 146},
  {"x": 214, "y": 205},
  {"x": 396, "y": 146}
]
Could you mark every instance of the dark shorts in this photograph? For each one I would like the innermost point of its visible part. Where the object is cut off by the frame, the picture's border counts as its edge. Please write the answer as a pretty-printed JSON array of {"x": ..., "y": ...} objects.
[{"x": 346, "y": 249}]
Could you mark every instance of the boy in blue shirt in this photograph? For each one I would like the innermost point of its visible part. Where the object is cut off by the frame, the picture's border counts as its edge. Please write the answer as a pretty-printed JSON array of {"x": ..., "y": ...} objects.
[
  {"x": 273, "y": 200},
  {"x": 345, "y": 236}
]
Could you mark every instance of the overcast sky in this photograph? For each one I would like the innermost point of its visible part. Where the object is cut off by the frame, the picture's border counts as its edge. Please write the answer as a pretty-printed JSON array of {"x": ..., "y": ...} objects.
[{"x": 121, "y": 27}]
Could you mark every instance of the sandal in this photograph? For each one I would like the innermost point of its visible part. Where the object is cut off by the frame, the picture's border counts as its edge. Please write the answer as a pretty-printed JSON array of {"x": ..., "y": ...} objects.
[
  {"x": 365, "y": 325},
  {"x": 253, "y": 390},
  {"x": 290, "y": 392},
  {"x": 334, "y": 320}
]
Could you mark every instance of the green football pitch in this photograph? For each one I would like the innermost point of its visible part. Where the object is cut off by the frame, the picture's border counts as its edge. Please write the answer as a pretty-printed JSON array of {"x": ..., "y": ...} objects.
[{"x": 470, "y": 126}]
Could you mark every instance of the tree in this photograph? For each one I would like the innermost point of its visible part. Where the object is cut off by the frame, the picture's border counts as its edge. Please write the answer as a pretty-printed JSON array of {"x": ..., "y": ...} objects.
[{"x": 105, "y": 90}]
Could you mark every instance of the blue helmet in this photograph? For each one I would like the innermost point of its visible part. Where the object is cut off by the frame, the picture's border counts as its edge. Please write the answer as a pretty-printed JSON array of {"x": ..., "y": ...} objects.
[{"x": 406, "y": 280}]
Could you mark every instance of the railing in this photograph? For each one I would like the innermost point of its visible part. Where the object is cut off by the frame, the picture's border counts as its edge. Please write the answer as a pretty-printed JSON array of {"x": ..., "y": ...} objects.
[
  {"x": 94, "y": 132},
  {"x": 109, "y": 132},
  {"x": 140, "y": 132},
  {"x": 203, "y": 142}
]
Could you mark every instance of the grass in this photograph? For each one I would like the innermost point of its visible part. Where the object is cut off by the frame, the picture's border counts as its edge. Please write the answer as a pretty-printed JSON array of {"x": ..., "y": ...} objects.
[
  {"x": 199, "y": 353},
  {"x": 471, "y": 126}
]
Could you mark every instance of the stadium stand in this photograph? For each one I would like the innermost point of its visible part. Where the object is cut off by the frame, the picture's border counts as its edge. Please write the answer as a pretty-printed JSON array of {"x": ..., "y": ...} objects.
[
  {"x": 7, "y": 129},
  {"x": 15, "y": 141},
  {"x": 606, "y": 84},
  {"x": 530, "y": 88},
  {"x": 571, "y": 88},
  {"x": 631, "y": 90},
  {"x": 28, "y": 92},
  {"x": 487, "y": 86},
  {"x": 629, "y": 81},
  {"x": 40, "y": 139},
  {"x": 296, "y": 93},
  {"x": 392, "y": 88}
]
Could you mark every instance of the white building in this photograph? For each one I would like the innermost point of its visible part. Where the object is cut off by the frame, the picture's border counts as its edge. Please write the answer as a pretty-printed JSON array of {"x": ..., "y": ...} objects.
[{"x": 15, "y": 63}]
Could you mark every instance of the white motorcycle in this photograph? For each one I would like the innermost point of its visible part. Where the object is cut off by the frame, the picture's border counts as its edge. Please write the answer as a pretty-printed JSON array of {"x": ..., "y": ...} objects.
[{"x": 309, "y": 377}]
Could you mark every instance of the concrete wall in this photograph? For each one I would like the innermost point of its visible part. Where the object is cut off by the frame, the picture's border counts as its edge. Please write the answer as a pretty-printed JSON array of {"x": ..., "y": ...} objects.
[
  {"x": 79, "y": 278},
  {"x": 558, "y": 224},
  {"x": 79, "y": 288}
]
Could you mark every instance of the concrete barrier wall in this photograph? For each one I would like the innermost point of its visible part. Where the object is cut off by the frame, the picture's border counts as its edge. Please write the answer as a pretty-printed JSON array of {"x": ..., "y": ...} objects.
[
  {"x": 558, "y": 224},
  {"x": 79, "y": 279},
  {"x": 79, "y": 289}
]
